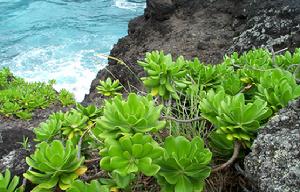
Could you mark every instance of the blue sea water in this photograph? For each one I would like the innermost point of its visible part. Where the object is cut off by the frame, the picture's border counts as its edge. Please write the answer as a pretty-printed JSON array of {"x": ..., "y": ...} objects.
[{"x": 60, "y": 39}]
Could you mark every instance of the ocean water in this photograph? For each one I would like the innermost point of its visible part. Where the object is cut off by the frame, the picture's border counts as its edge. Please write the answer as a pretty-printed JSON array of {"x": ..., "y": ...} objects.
[{"x": 42, "y": 40}]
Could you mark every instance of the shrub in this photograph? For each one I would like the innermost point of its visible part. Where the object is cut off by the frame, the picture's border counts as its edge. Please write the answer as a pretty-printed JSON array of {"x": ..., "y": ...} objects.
[
  {"x": 109, "y": 88},
  {"x": 208, "y": 76},
  {"x": 136, "y": 115},
  {"x": 74, "y": 124},
  {"x": 54, "y": 164},
  {"x": 91, "y": 111},
  {"x": 71, "y": 124},
  {"x": 47, "y": 130},
  {"x": 164, "y": 77},
  {"x": 66, "y": 98},
  {"x": 258, "y": 58},
  {"x": 277, "y": 87},
  {"x": 5, "y": 78},
  {"x": 20, "y": 98},
  {"x": 287, "y": 59},
  {"x": 131, "y": 154},
  {"x": 233, "y": 116},
  {"x": 94, "y": 186},
  {"x": 7, "y": 184},
  {"x": 184, "y": 167}
]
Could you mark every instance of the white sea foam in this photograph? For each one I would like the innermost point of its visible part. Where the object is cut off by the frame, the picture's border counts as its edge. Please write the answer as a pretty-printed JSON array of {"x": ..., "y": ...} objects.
[
  {"x": 44, "y": 45},
  {"x": 70, "y": 72},
  {"x": 126, "y": 4}
]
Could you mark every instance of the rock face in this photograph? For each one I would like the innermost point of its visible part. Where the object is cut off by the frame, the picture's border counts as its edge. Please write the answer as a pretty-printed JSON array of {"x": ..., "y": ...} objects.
[
  {"x": 271, "y": 23},
  {"x": 274, "y": 163},
  {"x": 207, "y": 29}
]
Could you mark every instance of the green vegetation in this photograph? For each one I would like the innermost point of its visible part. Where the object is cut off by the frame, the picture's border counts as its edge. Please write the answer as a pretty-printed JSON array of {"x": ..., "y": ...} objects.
[
  {"x": 130, "y": 155},
  {"x": 232, "y": 116},
  {"x": 136, "y": 115},
  {"x": 9, "y": 185},
  {"x": 79, "y": 186},
  {"x": 109, "y": 88},
  {"x": 185, "y": 165},
  {"x": 66, "y": 98},
  {"x": 70, "y": 125},
  {"x": 21, "y": 98},
  {"x": 164, "y": 75},
  {"x": 54, "y": 164},
  {"x": 277, "y": 87},
  {"x": 199, "y": 119}
]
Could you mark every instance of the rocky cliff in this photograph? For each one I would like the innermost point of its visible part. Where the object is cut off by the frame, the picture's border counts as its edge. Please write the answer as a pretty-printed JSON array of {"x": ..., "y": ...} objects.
[{"x": 274, "y": 163}]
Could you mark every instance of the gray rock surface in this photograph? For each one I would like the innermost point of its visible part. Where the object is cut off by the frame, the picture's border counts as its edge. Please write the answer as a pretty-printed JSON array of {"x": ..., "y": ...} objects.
[
  {"x": 274, "y": 163},
  {"x": 269, "y": 23}
]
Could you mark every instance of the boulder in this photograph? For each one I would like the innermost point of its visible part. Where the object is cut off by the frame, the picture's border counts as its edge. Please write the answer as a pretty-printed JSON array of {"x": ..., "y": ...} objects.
[
  {"x": 274, "y": 163},
  {"x": 159, "y": 9}
]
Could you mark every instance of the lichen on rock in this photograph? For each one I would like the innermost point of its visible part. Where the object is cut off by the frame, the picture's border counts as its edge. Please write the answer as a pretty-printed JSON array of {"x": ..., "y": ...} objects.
[{"x": 274, "y": 163}]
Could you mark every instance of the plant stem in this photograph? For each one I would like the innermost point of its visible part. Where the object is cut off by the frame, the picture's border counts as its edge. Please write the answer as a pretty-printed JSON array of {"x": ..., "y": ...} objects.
[
  {"x": 237, "y": 147},
  {"x": 24, "y": 181},
  {"x": 81, "y": 138},
  {"x": 95, "y": 176},
  {"x": 92, "y": 160},
  {"x": 182, "y": 120}
]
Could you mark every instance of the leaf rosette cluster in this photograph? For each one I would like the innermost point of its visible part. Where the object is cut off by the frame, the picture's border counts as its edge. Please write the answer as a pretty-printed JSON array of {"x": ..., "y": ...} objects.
[
  {"x": 184, "y": 166},
  {"x": 164, "y": 76},
  {"x": 137, "y": 114},
  {"x": 54, "y": 164},
  {"x": 109, "y": 88},
  {"x": 131, "y": 154}
]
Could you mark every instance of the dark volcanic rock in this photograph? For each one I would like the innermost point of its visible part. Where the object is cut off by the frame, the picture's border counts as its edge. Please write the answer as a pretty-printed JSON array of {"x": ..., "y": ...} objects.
[
  {"x": 12, "y": 132},
  {"x": 267, "y": 24},
  {"x": 274, "y": 163}
]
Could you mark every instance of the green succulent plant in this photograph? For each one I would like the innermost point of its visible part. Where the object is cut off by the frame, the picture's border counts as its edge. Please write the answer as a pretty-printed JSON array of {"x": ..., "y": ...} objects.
[
  {"x": 164, "y": 77},
  {"x": 74, "y": 124},
  {"x": 5, "y": 77},
  {"x": 66, "y": 98},
  {"x": 24, "y": 115},
  {"x": 288, "y": 58},
  {"x": 93, "y": 186},
  {"x": 208, "y": 76},
  {"x": 109, "y": 88},
  {"x": 232, "y": 85},
  {"x": 277, "y": 87},
  {"x": 91, "y": 111},
  {"x": 8, "y": 184},
  {"x": 19, "y": 98},
  {"x": 47, "y": 130},
  {"x": 220, "y": 145},
  {"x": 185, "y": 165},
  {"x": 9, "y": 108},
  {"x": 136, "y": 115},
  {"x": 131, "y": 154},
  {"x": 71, "y": 124},
  {"x": 258, "y": 58},
  {"x": 232, "y": 116},
  {"x": 53, "y": 164}
]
